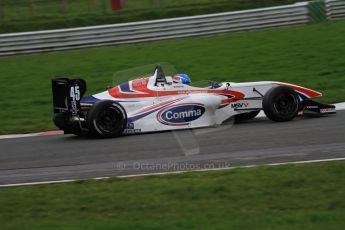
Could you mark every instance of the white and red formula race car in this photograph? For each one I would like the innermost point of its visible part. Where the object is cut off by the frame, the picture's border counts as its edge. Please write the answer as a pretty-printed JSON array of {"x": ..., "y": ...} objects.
[{"x": 159, "y": 103}]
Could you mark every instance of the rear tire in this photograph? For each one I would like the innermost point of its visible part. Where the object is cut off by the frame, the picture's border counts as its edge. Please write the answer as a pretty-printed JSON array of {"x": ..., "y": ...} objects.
[
  {"x": 281, "y": 103},
  {"x": 106, "y": 119}
]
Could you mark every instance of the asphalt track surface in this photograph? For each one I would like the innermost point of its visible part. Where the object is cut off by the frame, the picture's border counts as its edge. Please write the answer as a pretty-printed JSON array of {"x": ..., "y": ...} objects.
[{"x": 259, "y": 141}]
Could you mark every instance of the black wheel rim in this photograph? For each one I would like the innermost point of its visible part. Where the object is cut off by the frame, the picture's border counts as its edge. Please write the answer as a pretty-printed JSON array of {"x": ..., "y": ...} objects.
[
  {"x": 285, "y": 104},
  {"x": 109, "y": 120}
]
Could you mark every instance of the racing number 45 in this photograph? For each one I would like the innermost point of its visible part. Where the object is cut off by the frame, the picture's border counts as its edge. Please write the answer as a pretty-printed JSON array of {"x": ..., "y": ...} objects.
[{"x": 75, "y": 93}]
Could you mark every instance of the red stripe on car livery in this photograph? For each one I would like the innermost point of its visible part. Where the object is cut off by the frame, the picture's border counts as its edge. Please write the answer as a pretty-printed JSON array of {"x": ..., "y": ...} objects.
[
  {"x": 142, "y": 91},
  {"x": 159, "y": 105},
  {"x": 307, "y": 92}
]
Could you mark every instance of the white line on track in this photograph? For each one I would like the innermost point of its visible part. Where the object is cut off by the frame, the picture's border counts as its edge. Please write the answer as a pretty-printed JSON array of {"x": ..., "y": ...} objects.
[
  {"x": 165, "y": 173},
  {"x": 11, "y": 136},
  {"x": 340, "y": 106}
]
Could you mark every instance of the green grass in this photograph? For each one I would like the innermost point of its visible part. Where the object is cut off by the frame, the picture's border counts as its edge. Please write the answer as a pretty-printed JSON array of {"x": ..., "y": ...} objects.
[
  {"x": 28, "y": 15},
  {"x": 312, "y": 56},
  {"x": 269, "y": 197}
]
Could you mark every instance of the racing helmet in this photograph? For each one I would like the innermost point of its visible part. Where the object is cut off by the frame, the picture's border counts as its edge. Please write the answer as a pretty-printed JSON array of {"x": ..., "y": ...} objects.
[{"x": 182, "y": 78}]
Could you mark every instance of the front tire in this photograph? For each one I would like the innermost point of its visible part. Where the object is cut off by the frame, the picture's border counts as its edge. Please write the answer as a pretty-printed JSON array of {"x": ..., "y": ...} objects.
[
  {"x": 106, "y": 119},
  {"x": 281, "y": 103}
]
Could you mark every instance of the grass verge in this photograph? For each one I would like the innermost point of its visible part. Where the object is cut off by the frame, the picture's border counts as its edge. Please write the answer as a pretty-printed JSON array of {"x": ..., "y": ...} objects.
[
  {"x": 312, "y": 56},
  {"x": 307, "y": 196},
  {"x": 41, "y": 15}
]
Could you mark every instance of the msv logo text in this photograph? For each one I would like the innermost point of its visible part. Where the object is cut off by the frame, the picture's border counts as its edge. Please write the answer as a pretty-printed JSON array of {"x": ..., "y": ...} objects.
[{"x": 182, "y": 114}]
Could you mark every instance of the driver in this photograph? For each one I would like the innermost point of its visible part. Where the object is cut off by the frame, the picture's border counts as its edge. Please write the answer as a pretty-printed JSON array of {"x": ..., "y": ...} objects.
[{"x": 182, "y": 78}]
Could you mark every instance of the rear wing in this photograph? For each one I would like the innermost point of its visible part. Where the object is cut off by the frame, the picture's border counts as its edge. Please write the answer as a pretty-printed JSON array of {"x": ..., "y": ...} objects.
[{"x": 67, "y": 94}]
